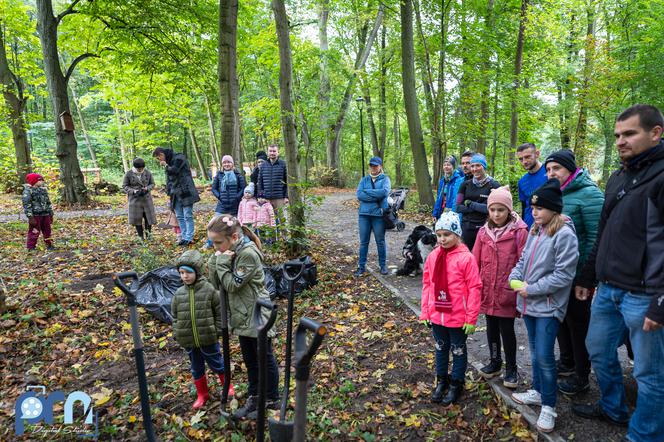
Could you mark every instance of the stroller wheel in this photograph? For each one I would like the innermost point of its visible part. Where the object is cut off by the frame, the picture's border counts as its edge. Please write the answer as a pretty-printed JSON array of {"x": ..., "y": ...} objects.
[{"x": 401, "y": 226}]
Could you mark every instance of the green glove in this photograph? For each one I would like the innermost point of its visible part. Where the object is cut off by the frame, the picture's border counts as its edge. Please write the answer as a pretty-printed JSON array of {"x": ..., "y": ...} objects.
[
  {"x": 469, "y": 329},
  {"x": 467, "y": 203},
  {"x": 426, "y": 322}
]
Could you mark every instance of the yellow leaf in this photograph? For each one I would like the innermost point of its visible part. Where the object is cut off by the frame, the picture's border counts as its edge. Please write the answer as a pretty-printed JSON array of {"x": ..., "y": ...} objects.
[
  {"x": 102, "y": 396},
  {"x": 132, "y": 419},
  {"x": 389, "y": 324},
  {"x": 413, "y": 421}
]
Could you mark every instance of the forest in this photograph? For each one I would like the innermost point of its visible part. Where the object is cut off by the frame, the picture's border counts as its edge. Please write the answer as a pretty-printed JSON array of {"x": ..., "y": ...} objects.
[{"x": 408, "y": 81}]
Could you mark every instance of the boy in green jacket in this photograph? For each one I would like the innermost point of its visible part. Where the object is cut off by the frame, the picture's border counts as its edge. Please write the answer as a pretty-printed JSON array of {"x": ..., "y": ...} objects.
[{"x": 196, "y": 309}]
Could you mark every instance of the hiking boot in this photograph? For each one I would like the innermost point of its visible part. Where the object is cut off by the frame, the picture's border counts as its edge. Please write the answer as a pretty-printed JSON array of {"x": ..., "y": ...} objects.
[
  {"x": 454, "y": 393},
  {"x": 492, "y": 369},
  {"x": 595, "y": 411},
  {"x": 384, "y": 271},
  {"x": 530, "y": 397},
  {"x": 201, "y": 392},
  {"x": 573, "y": 385},
  {"x": 547, "y": 419},
  {"x": 270, "y": 404},
  {"x": 249, "y": 407},
  {"x": 564, "y": 369},
  {"x": 359, "y": 272},
  {"x": 442, "y": 384},
  {"x": 511, "y": 378}
]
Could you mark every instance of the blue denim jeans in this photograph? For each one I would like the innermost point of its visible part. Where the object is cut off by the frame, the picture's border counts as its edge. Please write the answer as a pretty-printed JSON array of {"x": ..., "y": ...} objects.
[
  {"x": 614, "y": 313},
  {"x": 446, "y": 339},
  {"x": 209, "y": 353},
  {"x": 368, "y": 224},
  {"x": 185, "y": 216},
  {"x": 541, "y": 338}
]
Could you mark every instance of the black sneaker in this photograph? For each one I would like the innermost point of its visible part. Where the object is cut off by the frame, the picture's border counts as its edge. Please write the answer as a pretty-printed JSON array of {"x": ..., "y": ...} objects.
[
  {"x": 248, "y": 408},
  {"x": 573, "y": 385},
  {"x": 492, "y": 369},
  {"x": 511, "y": 378},
  {"x": 595, "y": 411},
  {"x": 564, "y": 369},
  {"x": 270, "y": 404}
]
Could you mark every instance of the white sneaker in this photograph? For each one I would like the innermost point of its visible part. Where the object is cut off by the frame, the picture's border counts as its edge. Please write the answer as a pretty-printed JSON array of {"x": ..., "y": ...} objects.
[
  {"x": 547, "y": 419},
  {"x": 530, "y": 397}
]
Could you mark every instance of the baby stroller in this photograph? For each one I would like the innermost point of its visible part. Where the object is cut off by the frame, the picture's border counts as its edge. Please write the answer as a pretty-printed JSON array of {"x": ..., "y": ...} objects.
[{"x": 396, "y": 201}]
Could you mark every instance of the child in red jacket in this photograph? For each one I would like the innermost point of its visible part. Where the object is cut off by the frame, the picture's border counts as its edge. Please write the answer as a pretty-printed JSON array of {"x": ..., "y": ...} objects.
[
  {"x": 451, "y": 289},
  {"x": 497, "y": 249}
]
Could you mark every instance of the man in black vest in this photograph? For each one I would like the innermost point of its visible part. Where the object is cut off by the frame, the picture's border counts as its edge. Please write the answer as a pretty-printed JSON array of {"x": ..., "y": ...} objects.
[{"x": 628, "y": 262}]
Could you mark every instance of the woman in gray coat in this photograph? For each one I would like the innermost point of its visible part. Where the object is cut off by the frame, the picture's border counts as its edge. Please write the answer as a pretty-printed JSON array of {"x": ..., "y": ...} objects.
[{"x": 137, "y": 184}]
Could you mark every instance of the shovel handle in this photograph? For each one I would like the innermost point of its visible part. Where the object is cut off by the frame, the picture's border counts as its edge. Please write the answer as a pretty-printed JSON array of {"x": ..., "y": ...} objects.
[
  {"x": 293, "y": 269},
  {"x": 304, "y": 352},
  {"x": 118, "y": 280},
  {"x": 260, "y": 324}
]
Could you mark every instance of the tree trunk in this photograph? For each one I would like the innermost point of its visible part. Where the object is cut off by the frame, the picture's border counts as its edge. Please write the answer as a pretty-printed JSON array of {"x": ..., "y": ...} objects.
[
  {"x": 372, "y": 125},
  {"x": 197, "y": 151},
  {"x": 609, "y": 147},
  {"x": 382, "y": 111},
  {"x": 306, "y": 140},
  {"x": 73, "y": 185},
  {"x": 123, "y": 148},
  {"x": 214, "y": 149},
  {"x": 334, "y": 138},
  {"x": 12, "y": 90},
  {"x": 580, "y": 145},
  {"x": 486, "y": 81},
  {"x": 91, "y": 150},
  {"x": 518, "y": 62},
  {"x": 422, "y": 176},
  {"x": 227, "y": 70},
  {"x": 494, "y": 147},
  {"x": 324, "y": 88},
  {"x": 296, "y": 203},
  {"x": 398, "y": 179}
]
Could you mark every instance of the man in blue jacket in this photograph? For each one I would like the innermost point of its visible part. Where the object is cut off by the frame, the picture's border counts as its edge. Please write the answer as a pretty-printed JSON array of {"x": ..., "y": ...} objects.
[
  {"x": 535, "y": 176},
  {"x": 273, "y": 182}
]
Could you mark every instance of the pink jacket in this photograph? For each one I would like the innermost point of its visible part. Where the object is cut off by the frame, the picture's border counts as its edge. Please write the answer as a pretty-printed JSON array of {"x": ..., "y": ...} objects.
[
  {"x": 496, "y": 259},
  {"x": 246, "y": 212},
  {"x": 265, "y": 215},
  {"x": 464, "y": 285}
]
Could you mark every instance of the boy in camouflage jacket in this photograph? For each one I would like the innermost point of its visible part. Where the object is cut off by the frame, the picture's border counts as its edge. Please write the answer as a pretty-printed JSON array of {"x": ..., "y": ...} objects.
[{"x": 38, "y": 210}]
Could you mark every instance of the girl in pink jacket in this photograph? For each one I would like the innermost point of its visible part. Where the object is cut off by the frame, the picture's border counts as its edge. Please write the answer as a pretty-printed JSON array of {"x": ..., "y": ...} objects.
[
  {"x": 265, "y": 214},
  {"x": 497, "y": 250},
  {"x": 248, "y": 208},
  {"x": 451, "y": 289}
]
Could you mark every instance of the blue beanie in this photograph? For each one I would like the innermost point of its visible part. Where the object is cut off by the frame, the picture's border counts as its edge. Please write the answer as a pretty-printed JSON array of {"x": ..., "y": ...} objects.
[{"x": 478, "y": 158}]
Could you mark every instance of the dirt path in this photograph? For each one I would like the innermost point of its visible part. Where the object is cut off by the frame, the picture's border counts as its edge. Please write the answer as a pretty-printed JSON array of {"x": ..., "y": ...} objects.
[{"x": 338, "y": 222}]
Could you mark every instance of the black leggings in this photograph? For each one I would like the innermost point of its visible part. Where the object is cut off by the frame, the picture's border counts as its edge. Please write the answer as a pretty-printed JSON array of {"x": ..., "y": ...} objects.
[
  {"x": 497, "y": 328},
  {"x": 572, "y": 336},
  {"x": 249, "y": 348}
]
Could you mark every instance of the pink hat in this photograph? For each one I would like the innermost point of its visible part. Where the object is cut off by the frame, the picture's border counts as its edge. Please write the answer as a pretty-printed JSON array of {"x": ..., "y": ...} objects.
[
  {"x": 32, "y": 178},
  {"x": 501, "y": 195},
  {"x": 227, "y": 158}
]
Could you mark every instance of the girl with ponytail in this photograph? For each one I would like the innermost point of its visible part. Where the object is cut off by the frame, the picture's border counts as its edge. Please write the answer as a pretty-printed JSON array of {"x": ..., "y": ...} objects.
[{"x": 237, "y": 268}]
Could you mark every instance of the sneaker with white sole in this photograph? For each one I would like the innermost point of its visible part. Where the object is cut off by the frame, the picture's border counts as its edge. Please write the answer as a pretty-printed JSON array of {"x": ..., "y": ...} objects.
[
  {"x": 530, "y": 397},
  {"x": 547, "y": 419}
]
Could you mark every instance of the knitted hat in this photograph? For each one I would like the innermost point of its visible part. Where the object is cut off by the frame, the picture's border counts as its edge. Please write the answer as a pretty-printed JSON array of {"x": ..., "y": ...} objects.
[
  {"x": 32, "y": 178},
  {"x": 501, "y": 195},
  {"x": 261, "y": 155},
  {"x": 227, "y": 158},
  {"x": 250, "y": 189},
  {"x": 376, "y": 161},
  {"x": 478, "y": 158},
  {"x": 564, "y": 157},
  {"x": 549, "y": 196},
  {"x": 449, "y": 221},
  {"x": 451, "y": 159}
]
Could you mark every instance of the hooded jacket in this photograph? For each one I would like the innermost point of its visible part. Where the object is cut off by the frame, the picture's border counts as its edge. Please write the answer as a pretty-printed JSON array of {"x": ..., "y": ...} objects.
[
  {"x": 196, "y": 309},
  {"x": 229, "y": 198},
  {"x": 464, "y": 285},
  {"x": 36, "y": 201},
  {"x": 629, "y": 251},
  {"x": 496, "y": 259},
  {"x": 373, "y": 197},
  {"x": 243, "y": 279},
  {"x": 447, "y": 193},
  {"x": 547, "y": 265},
  {"x": 179, "y": 183}
]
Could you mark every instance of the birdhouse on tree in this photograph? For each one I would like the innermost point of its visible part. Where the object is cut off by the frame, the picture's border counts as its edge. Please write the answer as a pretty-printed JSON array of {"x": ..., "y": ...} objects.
[{"x": 67, "y": 122}]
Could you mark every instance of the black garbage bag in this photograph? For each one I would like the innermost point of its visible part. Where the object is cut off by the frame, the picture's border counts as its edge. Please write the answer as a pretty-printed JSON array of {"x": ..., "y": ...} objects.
[
  {"x": 154, "y": 291},
  {"x": 270, "y": 281},
  {"x": 308, "y": 279}
]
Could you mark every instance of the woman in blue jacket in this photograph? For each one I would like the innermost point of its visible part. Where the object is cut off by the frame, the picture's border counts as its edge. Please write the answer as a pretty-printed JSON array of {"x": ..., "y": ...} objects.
[
  {"x": 448, "y": 187},
  {"x": 228, "y": 187},
  {"x": 372, "y": 193}
]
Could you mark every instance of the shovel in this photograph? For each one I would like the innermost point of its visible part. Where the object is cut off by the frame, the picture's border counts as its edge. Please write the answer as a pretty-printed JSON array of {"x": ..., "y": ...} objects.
[
  {"x": 138, "y": 351},
  {"x": 304, "y": 353},
  {"x": 281, "y": 431},
  {"x": 262, "y": 327},
  {"x": 226, "y": 352}
]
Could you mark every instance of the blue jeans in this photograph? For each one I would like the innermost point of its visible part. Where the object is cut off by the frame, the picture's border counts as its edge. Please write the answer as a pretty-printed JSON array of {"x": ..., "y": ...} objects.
[
  {"x": 542, "y": 334},
  {"x": 446, "y": 339},
  {"x": 209, "y": 353},
  {"x": 614, "y": 313},
  {"x": 377, "y": 225},
  {"x": 185, "y": 216}
]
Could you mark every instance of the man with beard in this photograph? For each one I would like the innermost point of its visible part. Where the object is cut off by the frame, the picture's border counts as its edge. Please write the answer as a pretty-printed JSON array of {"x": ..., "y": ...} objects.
[{"x": 535, "y": 176}]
